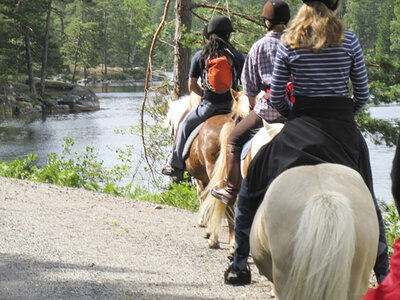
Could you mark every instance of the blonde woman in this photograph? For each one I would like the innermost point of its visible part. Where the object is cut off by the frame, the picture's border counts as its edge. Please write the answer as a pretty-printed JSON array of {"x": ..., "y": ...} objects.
[{"x": 321, "y": 57}]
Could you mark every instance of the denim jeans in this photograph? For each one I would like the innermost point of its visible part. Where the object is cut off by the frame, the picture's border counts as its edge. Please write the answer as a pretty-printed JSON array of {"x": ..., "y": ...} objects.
[{"x": 195, "y": 117}]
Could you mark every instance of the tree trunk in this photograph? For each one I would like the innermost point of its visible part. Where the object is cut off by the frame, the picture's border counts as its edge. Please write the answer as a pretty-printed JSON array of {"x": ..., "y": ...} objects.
[
  {"x": 182, "y": 54},
  {"x": 29, "y": 60},
  {"x": 105, "y": 41},
  {"x": 133, "y": 61},
  {"x": 76, "y": 55},
  {"x": 45, "y": 51},
  {"x": 62, "y": 24}
]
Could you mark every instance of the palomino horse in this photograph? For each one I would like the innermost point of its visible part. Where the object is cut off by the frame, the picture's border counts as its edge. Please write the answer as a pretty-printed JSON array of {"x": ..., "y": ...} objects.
[
  {"x": 214, "y": 210},
  {"x": 205, "y": 150},
  {"x": 315, "y": 235}
]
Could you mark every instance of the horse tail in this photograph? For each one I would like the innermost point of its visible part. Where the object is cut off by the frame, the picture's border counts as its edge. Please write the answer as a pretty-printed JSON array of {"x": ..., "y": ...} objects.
[
  {"x": 212, "y": 209},
  {"x": 324, "y": 247}
]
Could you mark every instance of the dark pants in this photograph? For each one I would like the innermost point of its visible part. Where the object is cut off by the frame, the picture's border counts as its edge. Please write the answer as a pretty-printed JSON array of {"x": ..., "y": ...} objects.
[
  {"x": 195, "y": 117},
  {"x": 317, "y": 131},
  {"x": 245, "y": 130}
]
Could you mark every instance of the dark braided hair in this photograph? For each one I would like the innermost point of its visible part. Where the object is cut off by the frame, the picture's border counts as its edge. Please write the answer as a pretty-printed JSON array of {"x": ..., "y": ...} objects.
[{"x": 217, "y": 45}]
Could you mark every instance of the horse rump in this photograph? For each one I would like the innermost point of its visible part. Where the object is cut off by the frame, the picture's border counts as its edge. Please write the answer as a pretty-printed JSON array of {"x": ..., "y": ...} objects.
[{"x": 316, "y": 233}]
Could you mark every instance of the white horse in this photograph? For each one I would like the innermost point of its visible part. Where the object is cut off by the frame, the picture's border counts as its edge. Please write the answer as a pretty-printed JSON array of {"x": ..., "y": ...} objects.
[{"x": 315, "y": 235}]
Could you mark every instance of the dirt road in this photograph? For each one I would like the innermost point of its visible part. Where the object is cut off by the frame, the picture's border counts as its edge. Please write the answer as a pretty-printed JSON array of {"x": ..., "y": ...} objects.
[{"x": 63, "y": 243}]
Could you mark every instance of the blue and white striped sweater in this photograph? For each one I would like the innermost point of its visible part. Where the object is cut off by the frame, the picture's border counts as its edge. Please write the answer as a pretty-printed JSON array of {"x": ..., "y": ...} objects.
[{"x": 324, "y": 74}]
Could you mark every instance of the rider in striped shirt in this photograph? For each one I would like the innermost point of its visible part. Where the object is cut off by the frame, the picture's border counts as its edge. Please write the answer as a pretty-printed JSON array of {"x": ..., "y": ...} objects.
[
  {"x": 321, "y": 74},
  {"x": 321, "y": 56}
]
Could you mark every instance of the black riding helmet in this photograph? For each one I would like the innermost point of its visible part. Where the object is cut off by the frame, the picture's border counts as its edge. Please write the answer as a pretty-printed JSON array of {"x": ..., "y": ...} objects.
[
  {"x": 277, "y": 12},
  {"x": 220, "y": 24},
  {"x": 332, "y": 5}
]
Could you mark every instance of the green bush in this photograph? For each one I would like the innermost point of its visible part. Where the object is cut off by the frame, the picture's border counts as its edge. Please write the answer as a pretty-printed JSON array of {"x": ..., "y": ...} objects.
[
  {"x": 79, "y": 170},
  {"x": 179, "y": 195},
  {"x": 380, "y": 131},
  {"x": 83, "y": 170},
  {"x": 392, "y": 223},
  {"x": 384, "y": 77}
]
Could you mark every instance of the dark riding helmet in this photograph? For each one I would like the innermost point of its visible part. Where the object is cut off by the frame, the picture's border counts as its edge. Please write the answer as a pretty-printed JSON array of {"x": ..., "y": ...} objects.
[
  {"x": 277, "y": 12},
  {"x": 331, "y": 4},
  {"x": 220, "y": 24}
]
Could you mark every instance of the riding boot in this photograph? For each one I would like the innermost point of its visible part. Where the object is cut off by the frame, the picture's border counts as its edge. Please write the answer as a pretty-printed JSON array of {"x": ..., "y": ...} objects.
[{"x": 229, "y": 193}]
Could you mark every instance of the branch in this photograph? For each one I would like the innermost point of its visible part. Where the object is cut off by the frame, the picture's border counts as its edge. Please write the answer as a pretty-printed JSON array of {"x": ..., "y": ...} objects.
[
  {"x": 215, "y": 7},
  {"x": 146, "y": 87},
  {"x": 200, "y": 17},
  {"x": 167, "y": 43}
]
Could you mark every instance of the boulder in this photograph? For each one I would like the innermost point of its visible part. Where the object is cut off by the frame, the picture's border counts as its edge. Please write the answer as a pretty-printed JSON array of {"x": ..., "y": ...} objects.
[{"x": 59, "y": 97}]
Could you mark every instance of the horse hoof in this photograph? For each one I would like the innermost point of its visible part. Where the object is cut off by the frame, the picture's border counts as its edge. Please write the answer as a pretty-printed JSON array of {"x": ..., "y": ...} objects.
[
  {"x": 201, "y": 223},
  {"x": 213, "y": 244},
  {"x": 207, "y": 235},
  {"x": 272, "y": 293}
]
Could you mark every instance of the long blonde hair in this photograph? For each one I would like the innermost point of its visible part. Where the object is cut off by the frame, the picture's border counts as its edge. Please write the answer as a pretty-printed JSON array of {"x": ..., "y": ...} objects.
[{"x": 315, "y": 27}]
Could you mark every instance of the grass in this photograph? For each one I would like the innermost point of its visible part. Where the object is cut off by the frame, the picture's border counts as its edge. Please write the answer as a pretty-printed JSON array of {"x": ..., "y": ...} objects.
[{"x": 178, "y": 195}]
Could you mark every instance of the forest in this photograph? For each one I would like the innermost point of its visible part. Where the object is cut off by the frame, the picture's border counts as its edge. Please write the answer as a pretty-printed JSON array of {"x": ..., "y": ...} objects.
[
  {"x": 118, "y": 33},
  {"x": 71, "y": 38}
]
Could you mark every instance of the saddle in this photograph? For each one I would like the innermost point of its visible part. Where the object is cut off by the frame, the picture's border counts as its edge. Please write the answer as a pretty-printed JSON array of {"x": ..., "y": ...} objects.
[{"x": 189, "y": 141}]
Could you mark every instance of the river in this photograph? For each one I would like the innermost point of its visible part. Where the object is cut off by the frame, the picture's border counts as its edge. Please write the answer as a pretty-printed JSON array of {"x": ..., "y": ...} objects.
[{"x": 120, "y": 109}]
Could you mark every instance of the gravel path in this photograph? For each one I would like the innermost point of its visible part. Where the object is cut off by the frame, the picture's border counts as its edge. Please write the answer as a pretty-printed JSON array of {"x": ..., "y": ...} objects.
[{"x": 64, "y": 243}]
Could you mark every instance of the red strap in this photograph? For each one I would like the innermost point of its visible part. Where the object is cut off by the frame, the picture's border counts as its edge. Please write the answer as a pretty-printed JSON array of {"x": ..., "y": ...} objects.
[{"x": 289, "y": 90}]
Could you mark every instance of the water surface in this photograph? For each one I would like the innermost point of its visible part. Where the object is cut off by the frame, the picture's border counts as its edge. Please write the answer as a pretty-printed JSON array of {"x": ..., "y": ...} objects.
[{"x": 120, "y": 109}]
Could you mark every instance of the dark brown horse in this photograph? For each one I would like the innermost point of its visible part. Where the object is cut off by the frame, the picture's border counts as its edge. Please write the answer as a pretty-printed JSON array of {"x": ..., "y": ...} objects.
[{"x": 200, "y": 163}]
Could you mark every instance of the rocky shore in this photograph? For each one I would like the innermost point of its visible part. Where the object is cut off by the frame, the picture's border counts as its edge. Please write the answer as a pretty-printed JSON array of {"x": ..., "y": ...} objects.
[{"x": 59, "y": 97}]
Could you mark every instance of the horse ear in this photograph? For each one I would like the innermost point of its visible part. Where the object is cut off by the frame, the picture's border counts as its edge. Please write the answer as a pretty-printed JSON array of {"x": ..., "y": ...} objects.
[{"x": 234, "y": 94}]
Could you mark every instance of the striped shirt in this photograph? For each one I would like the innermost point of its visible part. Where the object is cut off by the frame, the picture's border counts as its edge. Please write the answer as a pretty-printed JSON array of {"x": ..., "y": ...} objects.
[
  {"x": 324, "y": 74},
  {"x": 257, "y": 72}
]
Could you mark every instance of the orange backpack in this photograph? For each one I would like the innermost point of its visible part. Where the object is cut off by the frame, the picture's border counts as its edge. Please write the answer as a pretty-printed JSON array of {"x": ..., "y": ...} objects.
[{"x": 219, "y": 74}]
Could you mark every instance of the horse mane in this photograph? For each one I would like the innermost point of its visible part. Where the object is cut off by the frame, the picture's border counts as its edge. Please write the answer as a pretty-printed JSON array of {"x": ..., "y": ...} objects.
[
  {"x": 179, "y": 108},
  {"x": 240, "y": 106}
]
